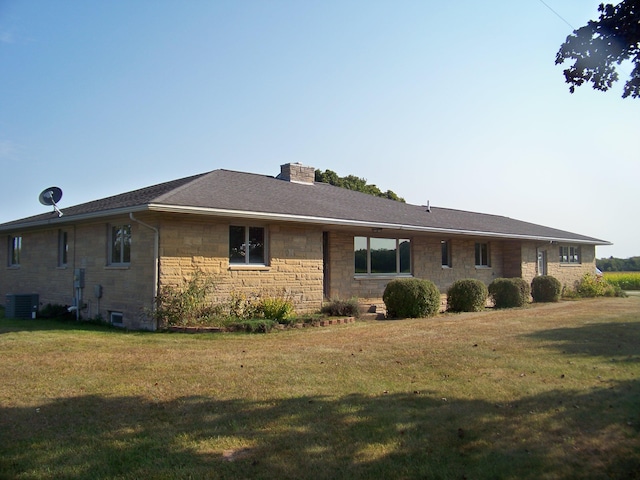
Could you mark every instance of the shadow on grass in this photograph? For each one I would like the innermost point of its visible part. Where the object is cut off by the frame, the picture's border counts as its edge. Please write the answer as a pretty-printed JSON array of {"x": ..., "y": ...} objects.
[
  {"x": 8, "y": 325},
  {"x": 609, "y": 340},
  {"x": 412, "y": 435}
]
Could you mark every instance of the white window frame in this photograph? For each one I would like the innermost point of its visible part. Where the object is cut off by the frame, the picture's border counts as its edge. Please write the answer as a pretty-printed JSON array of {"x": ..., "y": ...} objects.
[{"x": 368, "y": 273}]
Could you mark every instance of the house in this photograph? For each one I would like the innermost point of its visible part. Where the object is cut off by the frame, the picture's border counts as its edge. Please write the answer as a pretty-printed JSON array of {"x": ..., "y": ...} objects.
[{"x": 256, "y": 232}]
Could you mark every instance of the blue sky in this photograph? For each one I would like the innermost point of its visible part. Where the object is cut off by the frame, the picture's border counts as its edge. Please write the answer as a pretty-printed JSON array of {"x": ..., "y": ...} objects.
[{"x": 455, "y": 103}]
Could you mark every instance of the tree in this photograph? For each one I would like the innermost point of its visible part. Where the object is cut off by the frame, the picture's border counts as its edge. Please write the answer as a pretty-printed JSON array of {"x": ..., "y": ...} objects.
[
  {"x": 600, "y": 46},
  {"x": 351, "y": 182}
]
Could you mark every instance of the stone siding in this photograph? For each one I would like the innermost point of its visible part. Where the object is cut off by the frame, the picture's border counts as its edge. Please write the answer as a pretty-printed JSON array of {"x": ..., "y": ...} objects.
[{"x": 295, "y": 266}]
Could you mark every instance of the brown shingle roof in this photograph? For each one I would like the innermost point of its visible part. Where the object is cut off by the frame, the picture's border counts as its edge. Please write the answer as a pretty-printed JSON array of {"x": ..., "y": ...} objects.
[{"x": 261, "y": 196}]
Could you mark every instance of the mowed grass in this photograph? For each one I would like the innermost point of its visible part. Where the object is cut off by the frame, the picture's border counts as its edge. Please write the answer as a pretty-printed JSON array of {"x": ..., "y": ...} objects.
[
  {"x": 544, "y": 392},
  {"x": 625, "y": 280}
]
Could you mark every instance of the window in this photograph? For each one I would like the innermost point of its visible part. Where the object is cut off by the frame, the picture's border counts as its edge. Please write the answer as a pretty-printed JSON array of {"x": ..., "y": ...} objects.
[
  {"x": 382, "y": 256},
  {"x": 63, "y": 248},
  {"x": 482, "y": 255},
  {"x": 246, "y": 245},
  {"x": 445, "y": 247},
  {"x": 15, "y": 249},
  {"x": 569, "y": 254},
  {"x": 116, "y": 318},
  {"x": 120, "y": 244}
]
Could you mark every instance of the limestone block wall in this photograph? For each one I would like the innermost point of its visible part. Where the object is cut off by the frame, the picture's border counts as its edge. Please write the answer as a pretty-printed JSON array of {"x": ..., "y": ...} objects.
[
  {"x": 427, "y": 264},
  {"x": 569, "y": 274},
  {"x": 294, "y": 267},
  {"x": 126, "y": 289}
]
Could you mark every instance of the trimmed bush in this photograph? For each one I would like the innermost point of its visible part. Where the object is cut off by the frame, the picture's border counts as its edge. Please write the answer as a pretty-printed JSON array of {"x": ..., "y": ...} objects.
[
  {"x": 546, "y": 288},
  {"x": 342, "y": 308},
  {"x": 467, "y": 295},
  {"x": 509, "y": 292},
  {"x": 411, "y": 298}
]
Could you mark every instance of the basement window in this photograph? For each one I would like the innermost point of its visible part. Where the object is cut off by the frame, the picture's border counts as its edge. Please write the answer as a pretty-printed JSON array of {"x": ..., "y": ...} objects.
[
  {"x": 382, "y": 256},
  {"x": 116, "y": 319}
]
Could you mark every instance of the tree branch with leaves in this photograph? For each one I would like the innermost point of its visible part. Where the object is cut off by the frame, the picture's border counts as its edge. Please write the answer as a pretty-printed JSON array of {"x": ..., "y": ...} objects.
[{"x": 601, "y": 46}]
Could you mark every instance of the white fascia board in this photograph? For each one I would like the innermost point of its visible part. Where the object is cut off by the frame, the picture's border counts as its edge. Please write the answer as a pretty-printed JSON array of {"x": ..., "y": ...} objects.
[{"x": 357, "y": 223}]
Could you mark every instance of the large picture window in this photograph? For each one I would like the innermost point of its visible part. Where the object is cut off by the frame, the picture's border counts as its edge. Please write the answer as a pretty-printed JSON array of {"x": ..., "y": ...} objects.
[
  {"x": 246, "y": 245},
  {"x": 382, "y": 256},
  {"x": 569, "y": 254},
  {"x": 15, "y": 251},
  {"x": 120, "y": 244}
]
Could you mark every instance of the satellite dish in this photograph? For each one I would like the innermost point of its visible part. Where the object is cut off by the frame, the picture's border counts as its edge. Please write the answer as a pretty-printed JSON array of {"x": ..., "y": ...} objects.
[{"x": 51, "y": 196}]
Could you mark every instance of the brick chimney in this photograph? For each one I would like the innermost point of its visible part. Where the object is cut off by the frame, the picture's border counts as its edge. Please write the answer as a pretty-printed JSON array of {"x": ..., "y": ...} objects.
[{"x": 297, "y": 173}]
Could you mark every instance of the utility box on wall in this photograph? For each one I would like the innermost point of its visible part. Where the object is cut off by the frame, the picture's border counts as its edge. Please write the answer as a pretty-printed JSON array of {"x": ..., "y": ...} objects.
[{"x": 21, "y": 305}]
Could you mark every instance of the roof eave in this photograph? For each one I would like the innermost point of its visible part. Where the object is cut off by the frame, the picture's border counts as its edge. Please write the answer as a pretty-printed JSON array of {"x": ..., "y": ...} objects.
[
  {"x": 263, "y": 216},
  {"x": 71, "y": 218}
]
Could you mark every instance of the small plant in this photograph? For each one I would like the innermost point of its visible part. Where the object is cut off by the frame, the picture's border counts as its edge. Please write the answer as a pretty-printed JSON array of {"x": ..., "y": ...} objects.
[
  {"x": 256, "y": 325},
  {"x": 411, "y": 298},
  {"x": 276, "y": 308},
  {"x": 467, "y": 295},
  {"x": 509, "y": 292},
  {"x": 185, "y": 304},
  {"x": 342, "y": 308},
  {"x": 546, "y": 288}
]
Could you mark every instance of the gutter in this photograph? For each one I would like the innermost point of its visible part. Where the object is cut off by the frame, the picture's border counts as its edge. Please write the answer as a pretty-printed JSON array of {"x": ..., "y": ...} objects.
[{"x": 156, "y": 260}]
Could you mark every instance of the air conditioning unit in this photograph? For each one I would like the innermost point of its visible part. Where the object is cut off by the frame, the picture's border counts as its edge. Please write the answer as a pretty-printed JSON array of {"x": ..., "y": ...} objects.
[{"x": 21, "y": 305}]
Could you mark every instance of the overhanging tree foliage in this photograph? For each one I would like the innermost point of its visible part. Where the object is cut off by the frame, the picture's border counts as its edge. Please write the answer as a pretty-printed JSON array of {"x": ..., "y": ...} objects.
[
  {"x": 602, "y": 45},
  {"x": 351, "y": 182}
]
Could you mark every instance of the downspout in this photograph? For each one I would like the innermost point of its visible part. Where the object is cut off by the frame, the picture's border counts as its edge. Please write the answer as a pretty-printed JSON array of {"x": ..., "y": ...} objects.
[{"x": 156, "y": 261}]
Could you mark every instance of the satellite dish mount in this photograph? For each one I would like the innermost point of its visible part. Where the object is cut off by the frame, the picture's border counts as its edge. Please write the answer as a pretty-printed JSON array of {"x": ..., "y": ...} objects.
[{"x": 51, "y": 196}]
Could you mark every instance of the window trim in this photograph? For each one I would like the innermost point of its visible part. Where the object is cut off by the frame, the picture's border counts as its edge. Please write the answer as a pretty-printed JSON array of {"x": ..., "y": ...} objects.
[
  {"x": 14, "y": 250},
  {"x": 486, "y": 259},
  {"x": 398, "y": 272},
  {"x": 247, "y": 241},
  {"x": 123, "y": 261}
]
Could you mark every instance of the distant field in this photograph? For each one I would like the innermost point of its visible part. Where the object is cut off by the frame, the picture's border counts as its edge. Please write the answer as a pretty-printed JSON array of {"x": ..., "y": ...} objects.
[{"x": 625, "y": 280}]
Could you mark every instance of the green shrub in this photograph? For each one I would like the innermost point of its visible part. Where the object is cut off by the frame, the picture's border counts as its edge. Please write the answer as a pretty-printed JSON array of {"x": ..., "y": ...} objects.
[
  {"x": 590, "y": 286},
  {"x": 184, "y": 304},
  {"x": 256, "y": 325},
  {"x": 546, "y": 288},
  {"x": 411, "y": 298},
  {"x": 342, "y": 308},
  {"x": 276, "y": 308},
  {"x": 467, "y": 295},
  {"x": 509, "y": 292}
]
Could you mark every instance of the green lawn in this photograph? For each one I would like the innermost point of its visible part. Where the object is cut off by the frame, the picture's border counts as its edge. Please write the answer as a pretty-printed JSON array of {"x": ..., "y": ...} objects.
[{"x": 549, "y": 391}]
